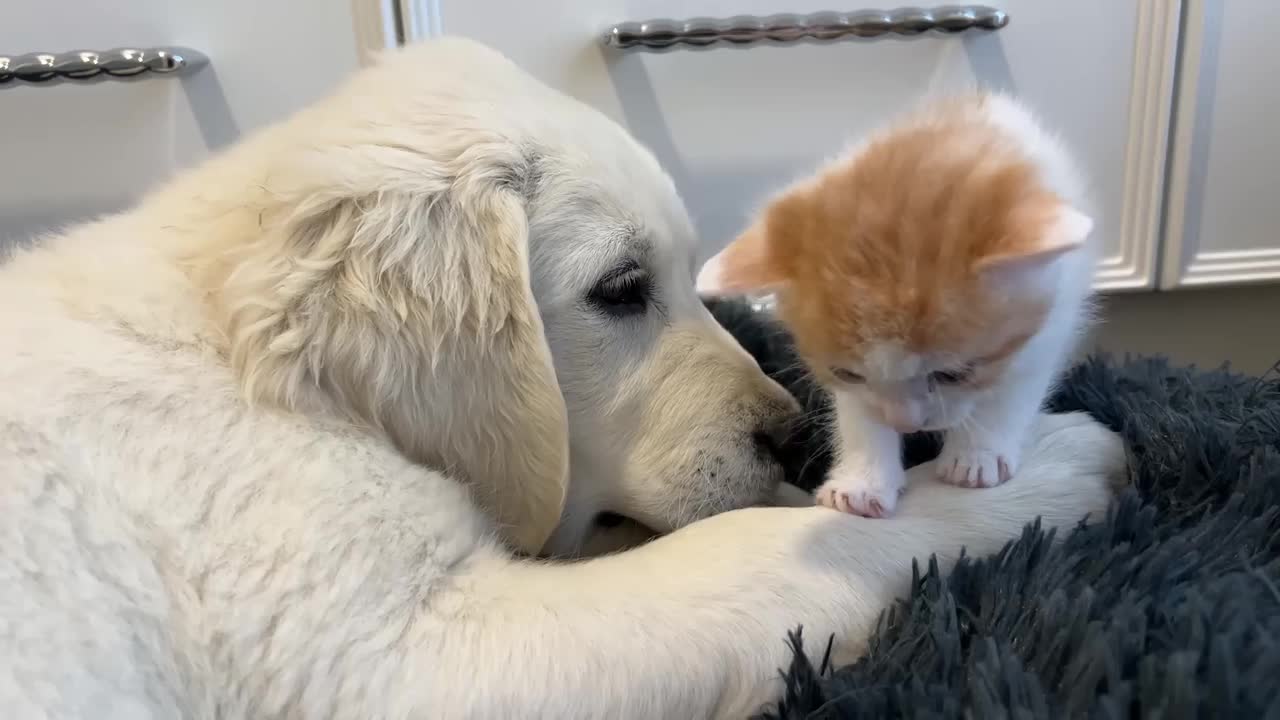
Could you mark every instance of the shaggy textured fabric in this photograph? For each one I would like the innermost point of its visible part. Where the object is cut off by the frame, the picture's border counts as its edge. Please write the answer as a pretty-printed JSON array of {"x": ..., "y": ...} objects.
[{"x": 1170, "y": 608}]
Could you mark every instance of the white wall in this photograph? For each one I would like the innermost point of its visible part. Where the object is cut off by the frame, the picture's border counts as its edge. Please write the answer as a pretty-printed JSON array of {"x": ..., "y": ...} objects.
[{"x": 1201, "y": 326}]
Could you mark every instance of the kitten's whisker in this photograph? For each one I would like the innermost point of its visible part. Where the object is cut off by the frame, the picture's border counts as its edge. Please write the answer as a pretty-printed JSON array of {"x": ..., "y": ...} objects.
[
  {"x": 797, "y": 425},
  {"x": 809, "y": 460},
  {"x": 797, "y": 366},
  {"x": 972, "y": 423}
]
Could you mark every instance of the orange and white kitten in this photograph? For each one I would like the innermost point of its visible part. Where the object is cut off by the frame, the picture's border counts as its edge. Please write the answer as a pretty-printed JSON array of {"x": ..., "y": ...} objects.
[{"x": 936, "y": 277}]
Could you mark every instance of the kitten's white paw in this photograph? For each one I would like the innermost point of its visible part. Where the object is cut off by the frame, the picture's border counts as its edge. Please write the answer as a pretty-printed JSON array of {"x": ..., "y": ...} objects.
[
  {"x": 975, "y": 465},
  {"x": 871, "y": 492}
]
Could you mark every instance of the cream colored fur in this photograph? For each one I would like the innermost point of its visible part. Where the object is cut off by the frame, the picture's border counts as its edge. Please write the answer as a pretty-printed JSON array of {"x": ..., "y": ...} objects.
[{"x": 266, "y": 438}]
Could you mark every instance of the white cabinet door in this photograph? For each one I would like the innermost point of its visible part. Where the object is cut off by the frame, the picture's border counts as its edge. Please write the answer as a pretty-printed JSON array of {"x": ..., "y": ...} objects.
[
  {"x": 74, "y": 150},
  {"x": 733, "y": 124},
  {"x": 1223, "y": 224}
]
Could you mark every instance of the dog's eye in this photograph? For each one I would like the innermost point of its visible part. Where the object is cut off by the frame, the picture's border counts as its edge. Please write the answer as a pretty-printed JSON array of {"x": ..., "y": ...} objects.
[
  {"x": 624, "y": 292},
  {"x": 951, "y": 377},
  {"x": 847, "y": 376}
]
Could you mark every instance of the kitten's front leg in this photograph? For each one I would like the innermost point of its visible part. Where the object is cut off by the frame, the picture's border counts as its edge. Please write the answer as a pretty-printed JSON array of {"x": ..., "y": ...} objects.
[
  {"x": 985, "y": 451},
  {"x": 867, "y": 478}
]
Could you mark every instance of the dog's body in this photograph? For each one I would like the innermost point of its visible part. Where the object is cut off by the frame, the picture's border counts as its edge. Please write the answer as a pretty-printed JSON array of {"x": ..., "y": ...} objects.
[{"x": 264, "y": 440}]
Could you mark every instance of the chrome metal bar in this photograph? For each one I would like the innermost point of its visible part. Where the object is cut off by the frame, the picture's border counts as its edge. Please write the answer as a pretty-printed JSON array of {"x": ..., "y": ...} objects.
[
  {"x": 704, "y": 33},
  {"x": 87, "y": 66}
]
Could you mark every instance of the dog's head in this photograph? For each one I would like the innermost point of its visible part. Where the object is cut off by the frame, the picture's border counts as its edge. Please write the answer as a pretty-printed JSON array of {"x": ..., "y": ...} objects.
[{"x": 500, "y": 280}]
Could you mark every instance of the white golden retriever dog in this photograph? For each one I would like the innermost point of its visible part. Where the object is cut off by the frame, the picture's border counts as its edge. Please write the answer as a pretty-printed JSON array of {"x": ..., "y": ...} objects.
[{"x": 279, "y": 441}]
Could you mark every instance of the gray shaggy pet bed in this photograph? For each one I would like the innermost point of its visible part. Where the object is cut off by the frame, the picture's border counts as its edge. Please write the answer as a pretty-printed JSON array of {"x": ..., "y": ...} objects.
[{"x": 1169, "y": 608}]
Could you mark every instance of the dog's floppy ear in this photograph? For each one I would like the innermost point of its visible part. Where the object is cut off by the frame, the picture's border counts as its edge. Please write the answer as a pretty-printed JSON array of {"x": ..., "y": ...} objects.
[{"x": 409, "y": 309}]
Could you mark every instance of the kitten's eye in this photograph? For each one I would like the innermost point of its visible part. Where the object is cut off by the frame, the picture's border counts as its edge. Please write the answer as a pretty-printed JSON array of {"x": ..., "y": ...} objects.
[
  {"x": 623, "y": 292},
  {"x": 951, "y": 377},
  {"x": 848, "y": 376}
]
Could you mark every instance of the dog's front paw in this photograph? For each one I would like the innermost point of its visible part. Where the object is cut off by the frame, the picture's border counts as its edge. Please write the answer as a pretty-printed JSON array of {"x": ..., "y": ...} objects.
[
  {"x": 867, "y": 490},
  {"x": 972, "y": 464}
]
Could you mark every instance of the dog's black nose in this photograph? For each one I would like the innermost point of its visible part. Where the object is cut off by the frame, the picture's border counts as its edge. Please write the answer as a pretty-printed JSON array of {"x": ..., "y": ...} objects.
[{"x": 772, "y": 438}]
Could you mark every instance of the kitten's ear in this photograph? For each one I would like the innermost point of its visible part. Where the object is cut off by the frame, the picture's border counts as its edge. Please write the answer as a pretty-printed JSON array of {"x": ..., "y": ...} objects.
[
  {"x": 1066, "y": 230},
  {"x": 742, "y": 267}
]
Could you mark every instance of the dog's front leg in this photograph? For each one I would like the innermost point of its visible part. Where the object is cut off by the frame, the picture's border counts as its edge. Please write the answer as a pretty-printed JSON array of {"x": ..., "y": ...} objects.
[{"x": 694, "y": 624}]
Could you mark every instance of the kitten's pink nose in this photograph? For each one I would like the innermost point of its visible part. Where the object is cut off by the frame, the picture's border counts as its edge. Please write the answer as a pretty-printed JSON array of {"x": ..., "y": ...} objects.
[
  {"x": 902, "y": 418},
  {"x": 904, "y": 428}
]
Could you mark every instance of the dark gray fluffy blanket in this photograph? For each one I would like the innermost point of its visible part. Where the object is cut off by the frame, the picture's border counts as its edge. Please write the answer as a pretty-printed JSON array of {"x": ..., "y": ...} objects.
[{"x": 1168, "y": 609}]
